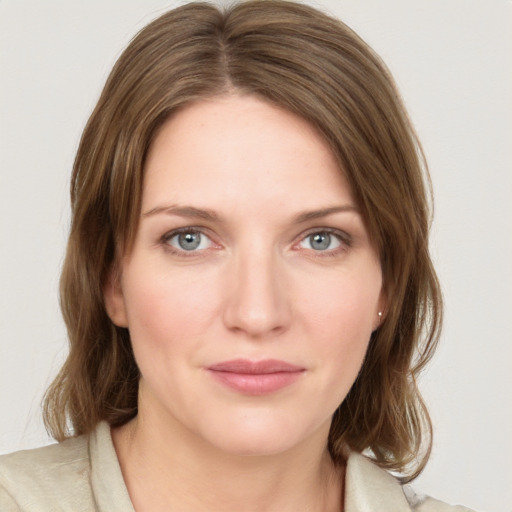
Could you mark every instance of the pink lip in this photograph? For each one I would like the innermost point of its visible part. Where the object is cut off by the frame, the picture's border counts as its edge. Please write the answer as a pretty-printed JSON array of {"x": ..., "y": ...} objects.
[{"x": 256, "y": 377}]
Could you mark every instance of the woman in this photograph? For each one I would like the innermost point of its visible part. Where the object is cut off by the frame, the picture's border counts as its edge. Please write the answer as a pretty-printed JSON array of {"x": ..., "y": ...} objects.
[{"x": 247, "y": 288}]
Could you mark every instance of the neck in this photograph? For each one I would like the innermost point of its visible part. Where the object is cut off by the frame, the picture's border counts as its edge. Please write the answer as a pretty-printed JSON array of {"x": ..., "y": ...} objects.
[{"x": 169, "y": 470}]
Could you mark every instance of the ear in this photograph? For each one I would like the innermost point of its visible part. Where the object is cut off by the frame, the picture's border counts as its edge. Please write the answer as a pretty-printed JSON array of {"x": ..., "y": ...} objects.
[
  {"x": 114, "y": 299},
  {"x": 382, "y": 310}
]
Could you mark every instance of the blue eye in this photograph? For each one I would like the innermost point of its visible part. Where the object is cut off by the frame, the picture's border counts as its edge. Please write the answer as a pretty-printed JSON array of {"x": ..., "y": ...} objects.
[
  {"x": 189, "y": 241},
  {"x": 321, "y": 241}
]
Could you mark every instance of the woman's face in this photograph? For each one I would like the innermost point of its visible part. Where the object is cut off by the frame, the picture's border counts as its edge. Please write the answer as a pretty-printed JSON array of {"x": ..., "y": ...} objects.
[{"x": 252, "y": 287}]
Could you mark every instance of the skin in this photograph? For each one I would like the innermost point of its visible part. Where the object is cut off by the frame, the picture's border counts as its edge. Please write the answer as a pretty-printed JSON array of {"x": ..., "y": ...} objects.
[{"x": 257, "y": 287}]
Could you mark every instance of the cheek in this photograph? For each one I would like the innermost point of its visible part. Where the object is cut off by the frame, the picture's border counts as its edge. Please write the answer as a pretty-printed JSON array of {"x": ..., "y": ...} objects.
[
  {"x": 165, "y": 307},
  {"x": 340, "y": 319},
  {"x": 348, "y": 305}
]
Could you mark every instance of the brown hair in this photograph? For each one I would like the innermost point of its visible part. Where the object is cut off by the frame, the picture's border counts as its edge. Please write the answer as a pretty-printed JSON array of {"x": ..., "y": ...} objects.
[{"x": 313, "y": 65}]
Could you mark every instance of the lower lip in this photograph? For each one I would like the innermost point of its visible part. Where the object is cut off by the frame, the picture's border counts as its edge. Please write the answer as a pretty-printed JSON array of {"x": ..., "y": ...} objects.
[{"x": 256, "y": 384}]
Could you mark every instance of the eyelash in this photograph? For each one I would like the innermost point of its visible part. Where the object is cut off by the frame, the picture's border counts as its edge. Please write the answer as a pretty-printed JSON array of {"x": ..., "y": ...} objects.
[
  {"x": 167, "y": 237},
  {"x": 343, "y": 237}
]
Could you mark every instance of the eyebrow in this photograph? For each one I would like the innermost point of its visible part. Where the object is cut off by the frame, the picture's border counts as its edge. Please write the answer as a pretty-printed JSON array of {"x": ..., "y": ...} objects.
[
  {"x": 212, "y": 215},
  {"x": 324, "y": 212},
  {"x": 184, "y": 211}
]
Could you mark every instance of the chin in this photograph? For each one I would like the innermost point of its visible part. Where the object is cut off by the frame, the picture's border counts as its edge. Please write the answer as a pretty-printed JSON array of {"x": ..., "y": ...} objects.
[
  {"x": 261, "y": 436},
  {"x": 255, "y": 446}
]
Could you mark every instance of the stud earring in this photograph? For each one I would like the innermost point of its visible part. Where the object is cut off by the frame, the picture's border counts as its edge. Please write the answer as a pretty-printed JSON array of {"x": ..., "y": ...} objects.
[{"x": 380, "y": 315}]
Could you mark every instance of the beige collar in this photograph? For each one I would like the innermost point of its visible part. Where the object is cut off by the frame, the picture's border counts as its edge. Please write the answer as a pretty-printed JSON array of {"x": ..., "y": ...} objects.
[{"x": 368, "y": 488}]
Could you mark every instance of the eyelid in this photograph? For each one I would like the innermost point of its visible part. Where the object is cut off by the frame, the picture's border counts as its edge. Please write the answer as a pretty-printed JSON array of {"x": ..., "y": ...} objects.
[
  {"x": 168, "y": 235},
  {"x": 344, "y": 238}
]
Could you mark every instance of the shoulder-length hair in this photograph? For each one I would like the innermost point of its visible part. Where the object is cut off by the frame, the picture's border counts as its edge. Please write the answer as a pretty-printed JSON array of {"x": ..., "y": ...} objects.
[{"x": 315, "y": 66}]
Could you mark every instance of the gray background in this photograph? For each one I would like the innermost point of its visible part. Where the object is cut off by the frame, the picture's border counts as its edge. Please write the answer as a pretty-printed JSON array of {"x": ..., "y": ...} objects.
[{"x": 452, "y": 62}]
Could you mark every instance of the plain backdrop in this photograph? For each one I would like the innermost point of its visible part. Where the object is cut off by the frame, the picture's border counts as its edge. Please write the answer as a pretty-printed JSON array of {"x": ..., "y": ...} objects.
[{"x": 452, "y": 62}]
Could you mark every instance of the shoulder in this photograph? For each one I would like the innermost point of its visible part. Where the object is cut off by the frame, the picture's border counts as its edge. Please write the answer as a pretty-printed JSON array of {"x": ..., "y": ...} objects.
[
  {"x": 34, "y": 479},
  {"x": 80, "y": 474},
  {"x": 423, "y": 503},
  {"x": 368, "y": 488}
]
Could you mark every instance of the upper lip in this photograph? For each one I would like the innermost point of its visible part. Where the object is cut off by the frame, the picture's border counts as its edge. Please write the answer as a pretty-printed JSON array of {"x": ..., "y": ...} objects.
[{"x": 265, "y": 366}]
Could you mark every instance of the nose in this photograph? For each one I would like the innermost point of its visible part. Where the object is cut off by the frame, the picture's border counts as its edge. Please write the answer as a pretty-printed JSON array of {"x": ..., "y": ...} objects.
[{"x": 257, "y": 303}]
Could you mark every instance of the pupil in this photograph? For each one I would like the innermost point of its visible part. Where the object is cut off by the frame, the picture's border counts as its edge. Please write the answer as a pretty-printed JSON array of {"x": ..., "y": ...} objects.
[
  {"x": 321, "y": 241},
  {"x": 189, "y": 241}
]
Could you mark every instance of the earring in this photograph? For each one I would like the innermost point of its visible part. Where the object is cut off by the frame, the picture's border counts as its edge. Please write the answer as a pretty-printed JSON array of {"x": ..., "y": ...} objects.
[{"x": 380, "y": 315}]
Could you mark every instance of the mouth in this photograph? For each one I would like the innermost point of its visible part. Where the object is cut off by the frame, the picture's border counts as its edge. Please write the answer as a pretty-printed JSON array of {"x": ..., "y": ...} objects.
[{"x": 255, "y": 377}]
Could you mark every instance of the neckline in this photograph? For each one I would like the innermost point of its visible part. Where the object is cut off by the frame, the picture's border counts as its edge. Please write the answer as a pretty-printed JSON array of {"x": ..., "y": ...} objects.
[
  {"x": 108, "y": 486},
  {"x": 367, "y": 487}
]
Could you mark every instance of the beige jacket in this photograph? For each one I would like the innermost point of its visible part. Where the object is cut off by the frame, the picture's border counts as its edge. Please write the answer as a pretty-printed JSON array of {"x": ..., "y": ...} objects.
[{"x": 83, "y": 475}]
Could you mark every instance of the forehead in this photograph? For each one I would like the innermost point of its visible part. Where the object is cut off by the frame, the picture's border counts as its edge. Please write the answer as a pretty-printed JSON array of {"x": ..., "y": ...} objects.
[{"x": 234, "y": 150}]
